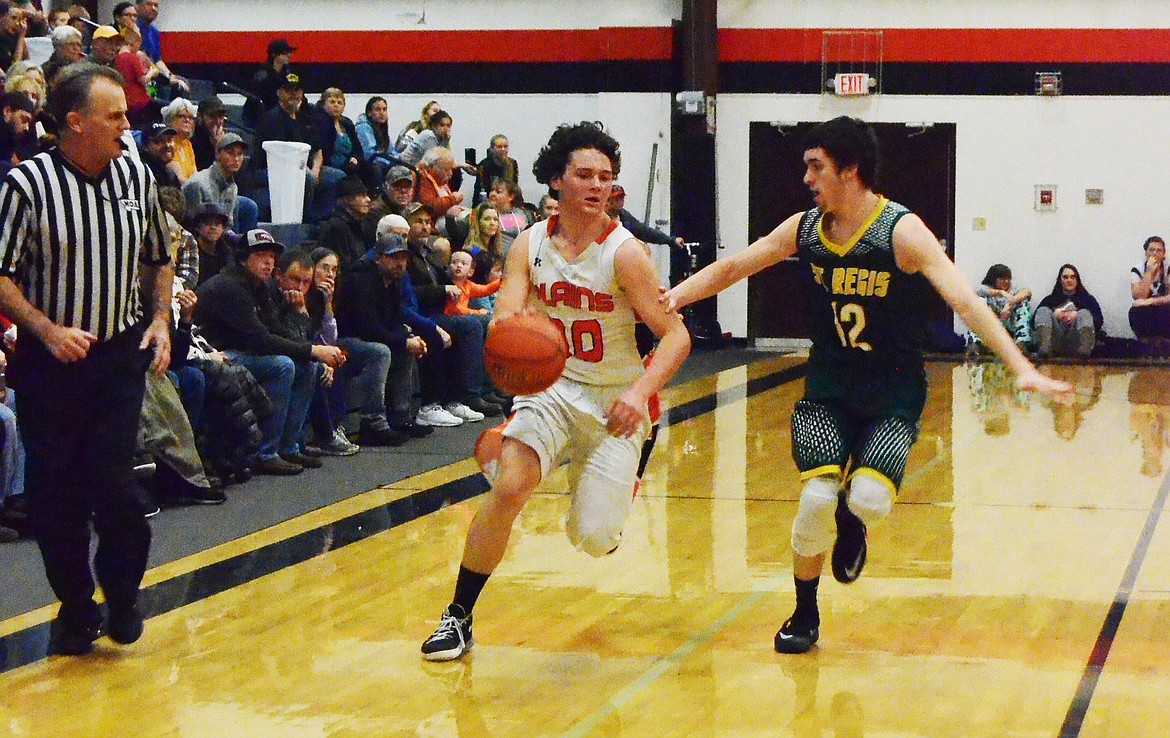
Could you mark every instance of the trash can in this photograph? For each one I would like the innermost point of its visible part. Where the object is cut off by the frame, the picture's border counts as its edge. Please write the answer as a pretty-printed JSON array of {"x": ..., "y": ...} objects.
[{"x": 287, "y": 161}]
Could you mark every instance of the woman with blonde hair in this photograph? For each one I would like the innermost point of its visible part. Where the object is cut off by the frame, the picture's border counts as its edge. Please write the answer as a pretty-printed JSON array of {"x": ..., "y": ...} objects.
[
  {"x": 137, "y": 75},
  {"x": 416, "y": 127},
  {"x": 485, "y": 243}
]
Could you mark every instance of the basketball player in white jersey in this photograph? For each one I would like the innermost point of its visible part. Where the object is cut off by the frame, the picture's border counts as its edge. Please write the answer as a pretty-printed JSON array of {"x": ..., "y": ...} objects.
[{"x": 590, "y": 275}]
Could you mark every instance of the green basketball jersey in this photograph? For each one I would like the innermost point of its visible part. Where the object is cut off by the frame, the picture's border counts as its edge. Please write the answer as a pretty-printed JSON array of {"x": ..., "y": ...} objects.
[{"x": 861, "y": 308}]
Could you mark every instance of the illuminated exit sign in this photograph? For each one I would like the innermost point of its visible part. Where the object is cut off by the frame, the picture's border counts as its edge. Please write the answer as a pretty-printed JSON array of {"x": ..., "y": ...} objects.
[{"x": 853, "y": 83}]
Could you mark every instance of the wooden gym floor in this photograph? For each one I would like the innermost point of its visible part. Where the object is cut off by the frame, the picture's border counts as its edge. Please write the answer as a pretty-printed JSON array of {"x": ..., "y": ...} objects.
[{"x": 1019, "y": 588}]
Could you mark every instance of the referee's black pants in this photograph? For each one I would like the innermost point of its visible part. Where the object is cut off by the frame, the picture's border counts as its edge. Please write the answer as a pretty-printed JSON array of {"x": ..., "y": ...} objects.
[{"x": 79, "y": 423}]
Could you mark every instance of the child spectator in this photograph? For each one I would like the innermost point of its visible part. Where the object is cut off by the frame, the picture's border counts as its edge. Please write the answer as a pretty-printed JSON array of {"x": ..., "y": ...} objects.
[
  {"x": 1014, "y": 307},
  {"x": 462, "y": 268}
]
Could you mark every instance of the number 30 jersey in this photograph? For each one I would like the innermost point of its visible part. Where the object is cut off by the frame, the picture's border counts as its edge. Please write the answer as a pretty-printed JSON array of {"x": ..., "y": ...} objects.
[
  {"x": 583, "y": 299},
  {"x": 862, "y": 309}
]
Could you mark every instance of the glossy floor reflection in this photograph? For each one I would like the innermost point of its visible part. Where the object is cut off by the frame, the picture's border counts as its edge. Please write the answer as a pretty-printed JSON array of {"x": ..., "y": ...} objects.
[{"x": 1021, "y": 527}]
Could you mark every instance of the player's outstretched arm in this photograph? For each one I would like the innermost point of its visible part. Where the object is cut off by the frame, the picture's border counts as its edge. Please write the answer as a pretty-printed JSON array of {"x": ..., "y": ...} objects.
[
  {"x": 917, "y": 250},
  {"x": 515, "y": 286},
  {"x": 636, "y": 276},
  {"x": 721, "y": 274}
]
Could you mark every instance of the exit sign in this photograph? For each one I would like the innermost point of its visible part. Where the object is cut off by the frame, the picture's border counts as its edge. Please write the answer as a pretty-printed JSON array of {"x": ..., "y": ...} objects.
[{"x": 853, "y": 83}]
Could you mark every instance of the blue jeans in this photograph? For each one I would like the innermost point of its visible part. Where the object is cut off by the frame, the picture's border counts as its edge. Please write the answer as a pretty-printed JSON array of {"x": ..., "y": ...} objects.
[
  {"x": 290, "y": 386},
  {"x": 467, "y": 335},
  {"x": 192, "y": 387},
  {"x": 364, "y": 375}
]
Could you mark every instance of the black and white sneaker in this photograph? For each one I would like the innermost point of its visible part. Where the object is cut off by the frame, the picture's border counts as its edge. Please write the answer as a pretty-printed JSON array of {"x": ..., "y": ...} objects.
[
  {"x": 796, "y": 637},
  {"x": 850, "y": 549},
  {"x": 452, "y": 638}
]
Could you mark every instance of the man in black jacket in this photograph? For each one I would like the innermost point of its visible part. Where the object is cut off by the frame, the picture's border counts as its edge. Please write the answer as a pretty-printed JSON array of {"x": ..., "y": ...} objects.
[
  {"x": 369, "y": 307},
  {"x": 241, "y": 313},
  {"x": 344, "y": 231}
]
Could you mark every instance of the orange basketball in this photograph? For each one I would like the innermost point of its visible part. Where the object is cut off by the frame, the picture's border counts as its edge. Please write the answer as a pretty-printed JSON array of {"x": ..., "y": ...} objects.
[{"x": 525, "y": 353}]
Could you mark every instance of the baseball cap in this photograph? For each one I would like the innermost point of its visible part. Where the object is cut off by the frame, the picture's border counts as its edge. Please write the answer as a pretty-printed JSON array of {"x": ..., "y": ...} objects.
[
  {"x": 106, "y": 32},
  {"x": 258, "y": 239},
  {"x": 228, "y": 139},
  {"x": 157, "y": 130},
  {"x": 19, "y": 101},
  {"x": 414, "y": 209},
  {"x": 390, "y": 243},
  {"x": 291, "y": 81},
  {"x": 399, "y": 173},
  {"x": 212, "y": 105},
  {"x": 279, "y": 46}
]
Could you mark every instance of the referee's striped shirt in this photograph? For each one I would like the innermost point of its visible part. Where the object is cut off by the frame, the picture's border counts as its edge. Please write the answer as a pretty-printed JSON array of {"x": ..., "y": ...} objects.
[{"x": 73, "y": 244}]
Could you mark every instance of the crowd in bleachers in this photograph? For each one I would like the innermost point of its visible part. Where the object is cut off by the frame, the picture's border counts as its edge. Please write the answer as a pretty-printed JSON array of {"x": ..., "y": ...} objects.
[{"x": 364, "y": 328}]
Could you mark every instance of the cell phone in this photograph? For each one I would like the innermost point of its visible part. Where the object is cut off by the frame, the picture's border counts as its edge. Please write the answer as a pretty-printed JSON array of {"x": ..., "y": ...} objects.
[{"x": 469, "y": 156}]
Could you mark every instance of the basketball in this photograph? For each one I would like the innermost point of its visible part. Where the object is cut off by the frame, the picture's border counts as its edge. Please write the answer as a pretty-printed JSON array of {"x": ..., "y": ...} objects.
[{"x": 525, "y": 353}]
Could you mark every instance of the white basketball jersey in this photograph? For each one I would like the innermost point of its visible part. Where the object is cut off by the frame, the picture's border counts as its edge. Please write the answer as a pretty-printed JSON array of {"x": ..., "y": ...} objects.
[{"x": 583, "y": 297}]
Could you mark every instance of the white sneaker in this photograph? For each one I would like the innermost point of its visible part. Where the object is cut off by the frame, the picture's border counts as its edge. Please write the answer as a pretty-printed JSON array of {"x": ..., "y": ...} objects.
[
  {"x": 463, "y": 412},
  {"x": 435, "y": 415}
]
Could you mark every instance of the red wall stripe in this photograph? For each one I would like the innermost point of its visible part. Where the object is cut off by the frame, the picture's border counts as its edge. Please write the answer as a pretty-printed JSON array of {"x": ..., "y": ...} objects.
[
  {"x": 633, "y": 44},
  {"x": 1039, "y": 45}
]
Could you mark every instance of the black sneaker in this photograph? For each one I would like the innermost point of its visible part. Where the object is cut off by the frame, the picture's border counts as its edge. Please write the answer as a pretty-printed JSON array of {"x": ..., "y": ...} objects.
[
  {"x": 276, "y": 467},
  {"x": 796, "y": 637},
  {"x": 124, "y": 624},
  {"x": 850, "y": 549},
  {"x": 480, "y": 405},
  {"x": 201, "y": 496},
  {"x": 307, "y": 462},
  {"x": 382, "y": 436},
  {"x": 71, "y": 640},
  {"x": 452, "y": 638},
  {"x": 414, "y": 430}
]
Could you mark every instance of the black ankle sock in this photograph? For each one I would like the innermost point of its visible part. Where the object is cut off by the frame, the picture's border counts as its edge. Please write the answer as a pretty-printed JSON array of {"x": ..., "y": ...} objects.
[
  {"x": 806, "y": 600},
  {"x": 467, "y": 588}
]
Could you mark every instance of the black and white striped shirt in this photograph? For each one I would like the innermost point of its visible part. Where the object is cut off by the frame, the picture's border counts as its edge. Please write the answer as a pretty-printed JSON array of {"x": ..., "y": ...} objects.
[{"x": 73, "y": 244}]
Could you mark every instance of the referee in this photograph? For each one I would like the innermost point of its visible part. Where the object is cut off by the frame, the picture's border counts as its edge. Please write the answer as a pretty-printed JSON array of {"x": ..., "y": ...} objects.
[{"x": 84, "y": 273}]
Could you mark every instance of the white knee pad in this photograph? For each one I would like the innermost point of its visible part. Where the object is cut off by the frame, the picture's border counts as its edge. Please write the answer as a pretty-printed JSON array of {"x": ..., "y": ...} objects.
[
  {"x": 870, "y": 498},
  {"x": 815, "y": 528}
]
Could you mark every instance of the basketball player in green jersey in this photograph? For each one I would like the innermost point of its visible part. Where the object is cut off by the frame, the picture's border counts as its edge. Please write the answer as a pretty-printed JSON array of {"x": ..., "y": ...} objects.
[{"x": 866, "y": 266}]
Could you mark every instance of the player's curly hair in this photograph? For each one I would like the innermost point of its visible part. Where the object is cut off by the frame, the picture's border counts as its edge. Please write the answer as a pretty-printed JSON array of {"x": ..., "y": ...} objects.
[{"x": 553, "y": 159}]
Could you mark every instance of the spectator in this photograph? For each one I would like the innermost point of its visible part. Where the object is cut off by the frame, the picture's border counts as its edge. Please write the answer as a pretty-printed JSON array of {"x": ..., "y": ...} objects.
[
  {"x": 462, "y": 269},
  {"x": 361, "y": 382},
  {"x": 152, "y": 44},
  {"x": 11, "y": 460},
  {"x": 371, "y": 307},
  {"x": 38, "y": 22},
  {"x": 396, "y": 196},
  {"x": 340, "y": 145},
  {"x": 431, "y": 280},
  {"x": 79, "y": 19},
  {"x": 209, "y": 128},
  {"x": 412, "y": 129},
  {"x": 31, "y": 83},
  {"x": 180, "y": 115},
  {"x": 616, "y": 207},
  {"x": 158, "y": 151},
  {"x": 437, "y": 133},
  {"x": 184, "y": 249},
  {"x": 13, "y": 29},
  {"x": 267, "y": 82},
  {"x": 18, "y": 139},
  {"x": 1069, "y": 318},
  {"x": 58, "y": 18},
  {"x": 547, "y": 207},
  {"x": 240, "y": 313},
  {"x": 496, "y": 165},
  {"x": 208, "y": 222},
  {"x": 374, "y": 133},
  {"x": 434, "y": 185},
  {"x": 291, "y": 120},
  {"x": 68, "y": 47},
  {"x": 486, "y": 246},
  {"x": 125, "y": 15},
  {"x": 217, "y": 183},
  {"x": 1014, "y": 307},
  {"x": 137, "y": 74},
  {"x": 1149, "y": 314},
  {"x": 508, "y": 201},
  {"x": 344, "y": 232},
  {"x": 105, "y": 44}
]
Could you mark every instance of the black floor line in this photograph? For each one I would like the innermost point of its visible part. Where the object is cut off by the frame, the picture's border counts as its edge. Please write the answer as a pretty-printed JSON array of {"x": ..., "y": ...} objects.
[
  {"x": 30, "y": 645},
  {"x": 1074, "y": 719}
]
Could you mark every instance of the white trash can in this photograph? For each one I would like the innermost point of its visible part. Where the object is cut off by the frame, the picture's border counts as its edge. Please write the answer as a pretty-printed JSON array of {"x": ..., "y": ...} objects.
[{"x": 287, "y": 162}]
